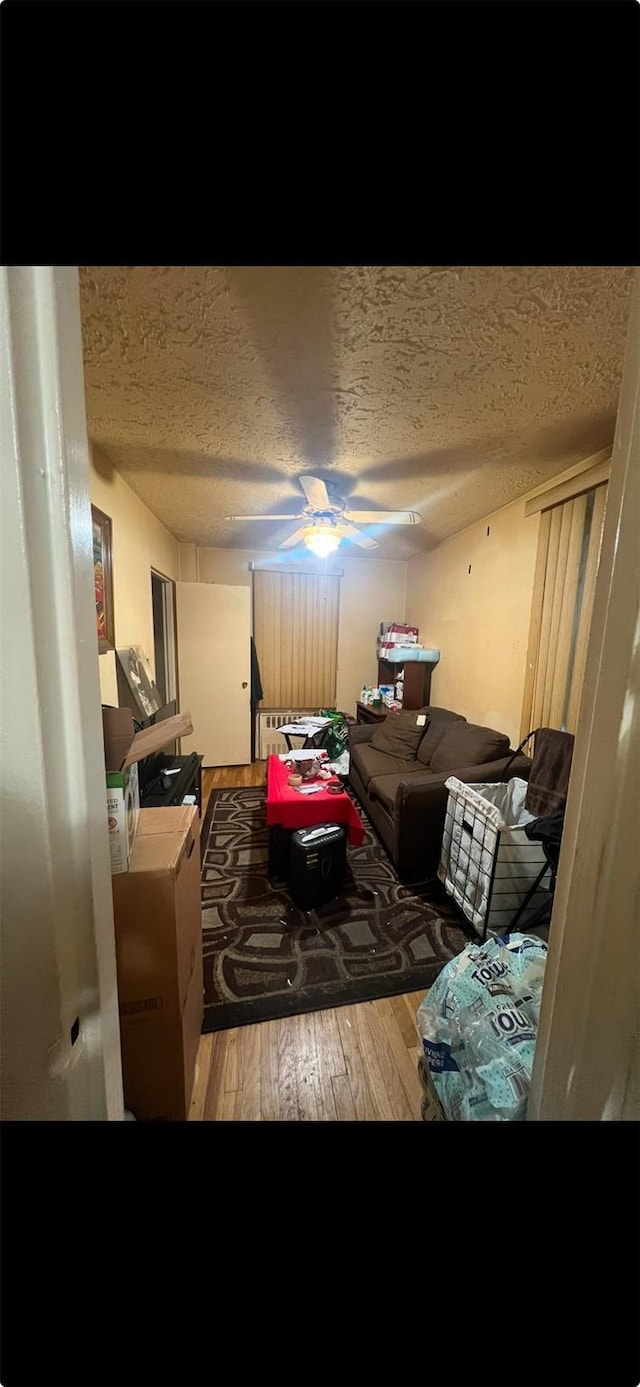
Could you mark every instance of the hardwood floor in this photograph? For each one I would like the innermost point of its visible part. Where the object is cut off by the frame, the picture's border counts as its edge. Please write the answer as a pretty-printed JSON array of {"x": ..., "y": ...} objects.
[
  {"x": 216, "y": 778},
  {"x": 351, "y": 1064}
]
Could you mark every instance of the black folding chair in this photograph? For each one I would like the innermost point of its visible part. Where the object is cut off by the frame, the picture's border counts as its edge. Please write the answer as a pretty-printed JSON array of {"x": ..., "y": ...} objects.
[{"x": 548, "y": 831}]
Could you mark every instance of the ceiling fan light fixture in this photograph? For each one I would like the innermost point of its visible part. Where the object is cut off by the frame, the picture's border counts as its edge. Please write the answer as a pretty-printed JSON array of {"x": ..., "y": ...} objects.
[{"x": 321, "y": 541}]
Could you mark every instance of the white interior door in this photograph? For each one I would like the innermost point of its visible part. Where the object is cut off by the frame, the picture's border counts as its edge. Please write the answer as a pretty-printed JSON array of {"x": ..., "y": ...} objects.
[{"x": 214, "y": 670}]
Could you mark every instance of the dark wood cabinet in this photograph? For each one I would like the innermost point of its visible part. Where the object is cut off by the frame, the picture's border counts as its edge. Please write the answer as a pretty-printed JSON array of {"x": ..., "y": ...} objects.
[
  {"x": 416, "y": 682},
  {"x": 365, "y": 712}
]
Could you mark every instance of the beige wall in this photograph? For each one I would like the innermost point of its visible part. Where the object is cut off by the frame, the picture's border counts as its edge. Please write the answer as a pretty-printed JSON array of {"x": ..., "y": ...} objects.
[
  {"x": 140, "y": 543},
  {"x": 371, "y": 591},
  {"x": 479, "y": 620}
]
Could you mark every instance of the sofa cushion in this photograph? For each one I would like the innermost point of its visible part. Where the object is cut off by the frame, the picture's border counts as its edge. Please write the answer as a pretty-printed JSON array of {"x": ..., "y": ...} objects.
[
  {"x": 368, "y": 762},
  {"x": 385, "y": 787},
  {"x": 439, "y": 720},
  {"x": 466, "y": 744},
  {"x": 400, "y": 734}
]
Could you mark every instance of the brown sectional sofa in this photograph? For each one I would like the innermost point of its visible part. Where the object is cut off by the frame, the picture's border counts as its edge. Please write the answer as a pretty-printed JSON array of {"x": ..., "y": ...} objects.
[{"x": 403, "y": 792}]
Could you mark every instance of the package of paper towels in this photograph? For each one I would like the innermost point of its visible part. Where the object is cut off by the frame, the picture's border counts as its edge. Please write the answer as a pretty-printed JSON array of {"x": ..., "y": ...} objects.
[{"x": 478, "y": 1026}]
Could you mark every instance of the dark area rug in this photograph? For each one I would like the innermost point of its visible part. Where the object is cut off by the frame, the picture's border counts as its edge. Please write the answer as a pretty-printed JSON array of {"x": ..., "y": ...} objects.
[{"x": 264, "y": 958}]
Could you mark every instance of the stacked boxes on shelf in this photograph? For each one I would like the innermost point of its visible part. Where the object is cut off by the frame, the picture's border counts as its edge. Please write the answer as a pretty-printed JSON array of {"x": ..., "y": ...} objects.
[
  {"x": 393, "y": 635},
  {"x": 403, "y": 659}
]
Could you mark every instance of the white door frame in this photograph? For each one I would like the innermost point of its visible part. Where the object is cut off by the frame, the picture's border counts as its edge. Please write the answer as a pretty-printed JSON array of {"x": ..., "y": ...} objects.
[
  {"x": 60, "y": 1031},
  {"x": 170, "y": 646},
  {"x": 586, "y": 1060}
]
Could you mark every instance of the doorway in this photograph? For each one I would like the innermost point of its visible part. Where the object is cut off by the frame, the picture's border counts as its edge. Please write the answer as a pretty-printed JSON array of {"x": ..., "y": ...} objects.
[{"x": 163, "y": 601}]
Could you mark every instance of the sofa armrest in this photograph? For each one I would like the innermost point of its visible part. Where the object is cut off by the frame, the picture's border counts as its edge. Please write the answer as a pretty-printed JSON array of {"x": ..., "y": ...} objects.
[
  {"x": 360, "y": 732},
  {"x": 421, "y": 804},
  {"x": 493, "y": 771},
  {"x": 418, "y": 820},
  {"x": 422, "y": 788}
]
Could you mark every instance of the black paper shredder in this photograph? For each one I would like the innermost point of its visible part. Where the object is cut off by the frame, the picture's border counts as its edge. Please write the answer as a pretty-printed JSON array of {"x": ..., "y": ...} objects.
[{"x": 317, "y": 865}]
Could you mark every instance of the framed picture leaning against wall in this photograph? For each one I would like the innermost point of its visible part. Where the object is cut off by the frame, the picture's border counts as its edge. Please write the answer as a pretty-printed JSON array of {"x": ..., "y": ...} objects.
[{"x": 103, "y": 579}]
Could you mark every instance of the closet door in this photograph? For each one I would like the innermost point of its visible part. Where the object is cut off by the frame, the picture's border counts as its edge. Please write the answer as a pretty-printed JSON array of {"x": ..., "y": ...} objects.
[{"x": 214, "y": 670}]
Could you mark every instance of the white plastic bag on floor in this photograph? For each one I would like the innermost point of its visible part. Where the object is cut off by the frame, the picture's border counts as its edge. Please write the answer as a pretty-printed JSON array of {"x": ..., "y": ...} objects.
[
  {"x": 487, "y": 862},
  {"x": 478, "y": 1026}
]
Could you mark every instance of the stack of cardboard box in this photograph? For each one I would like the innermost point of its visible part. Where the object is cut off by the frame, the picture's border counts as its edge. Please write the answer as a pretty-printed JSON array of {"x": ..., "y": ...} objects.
[
  {"x": 394, "y": 636},
  {"x": 158, "y": 927}
]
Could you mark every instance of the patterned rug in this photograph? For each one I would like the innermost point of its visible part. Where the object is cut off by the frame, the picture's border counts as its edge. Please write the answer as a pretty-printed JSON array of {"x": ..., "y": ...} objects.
[{"x": 264, "y": 958}]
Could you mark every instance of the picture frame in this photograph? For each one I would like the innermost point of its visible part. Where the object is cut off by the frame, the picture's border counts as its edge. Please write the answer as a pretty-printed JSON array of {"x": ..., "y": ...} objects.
[
  {"x": 103, "y": 579},
  {"x": 140, "y": 683}
]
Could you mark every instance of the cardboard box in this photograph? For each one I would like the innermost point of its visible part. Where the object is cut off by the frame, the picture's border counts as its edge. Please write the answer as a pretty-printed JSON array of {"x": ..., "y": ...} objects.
[
  {"x": 123, "y": 807},
  {"x": 158, "y": 927},
  {"x": 123, "y": 749},
  {"x": 403, "y": 634}
]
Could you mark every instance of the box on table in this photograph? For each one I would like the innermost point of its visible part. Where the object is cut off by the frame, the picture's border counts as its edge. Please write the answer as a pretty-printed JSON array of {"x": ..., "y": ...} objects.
[
  {"x": 123, "y": 749},
  {"x": 158, "y": 929}
]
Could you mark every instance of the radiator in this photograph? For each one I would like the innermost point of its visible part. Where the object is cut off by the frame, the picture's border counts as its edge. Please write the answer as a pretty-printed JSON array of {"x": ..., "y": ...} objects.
[{"x": 270, "y": 742}]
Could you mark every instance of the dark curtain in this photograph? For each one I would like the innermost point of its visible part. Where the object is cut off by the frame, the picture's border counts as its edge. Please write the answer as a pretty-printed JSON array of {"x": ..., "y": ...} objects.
[{"x": 256, "y": 695}]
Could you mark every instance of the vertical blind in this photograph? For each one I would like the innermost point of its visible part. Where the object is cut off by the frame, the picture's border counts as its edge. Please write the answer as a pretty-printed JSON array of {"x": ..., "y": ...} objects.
[
  {"x": 562, "y": 606},
  {"x": 295, "y": 627}
]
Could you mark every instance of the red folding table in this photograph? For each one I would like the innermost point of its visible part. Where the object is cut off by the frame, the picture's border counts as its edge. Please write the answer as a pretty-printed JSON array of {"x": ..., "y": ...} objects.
[{"x": 288, "y": 810}]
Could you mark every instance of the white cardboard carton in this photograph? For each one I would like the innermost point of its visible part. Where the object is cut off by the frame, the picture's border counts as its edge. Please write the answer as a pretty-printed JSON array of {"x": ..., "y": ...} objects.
[{"x": 123, "y": 749}]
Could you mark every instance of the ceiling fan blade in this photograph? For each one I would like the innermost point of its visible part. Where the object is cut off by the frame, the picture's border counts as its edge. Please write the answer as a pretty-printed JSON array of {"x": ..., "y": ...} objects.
[
  {"x": 350, "y": 532},
  {"x": 383, "y": 517},
  {"x": 294, "y": 538},
  {"x": 315, "y": 492},
  {"x": 263, "y": 517}
]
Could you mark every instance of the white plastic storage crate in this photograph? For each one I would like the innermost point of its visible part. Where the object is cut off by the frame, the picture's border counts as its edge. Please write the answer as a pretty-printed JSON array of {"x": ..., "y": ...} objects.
[{"x": 487, "y": 863}]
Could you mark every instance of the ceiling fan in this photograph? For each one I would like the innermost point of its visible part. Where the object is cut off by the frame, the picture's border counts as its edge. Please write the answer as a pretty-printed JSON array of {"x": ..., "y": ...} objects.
[{"x": 327, "y": 521}]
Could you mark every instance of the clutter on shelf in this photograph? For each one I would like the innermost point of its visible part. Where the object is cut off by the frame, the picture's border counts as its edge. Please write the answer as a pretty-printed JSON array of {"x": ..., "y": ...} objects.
[
  {"x": 398, "y": 645},
  {"x": 382, "y": 696},
  {"x": 392, "y": 636},
  {"x": 405, "y": 665}
]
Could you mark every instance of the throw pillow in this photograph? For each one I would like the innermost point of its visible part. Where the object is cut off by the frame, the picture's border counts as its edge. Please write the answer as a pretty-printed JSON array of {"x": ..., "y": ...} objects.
[
  {"x": 440, "y": 721},
  {"x": 401, "y": 734},
  {"x": 465, "y": 744}
]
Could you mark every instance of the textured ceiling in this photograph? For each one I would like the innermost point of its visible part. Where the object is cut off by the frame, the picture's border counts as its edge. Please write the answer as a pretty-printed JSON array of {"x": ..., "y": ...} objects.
[{"x": 449, "y": 391}]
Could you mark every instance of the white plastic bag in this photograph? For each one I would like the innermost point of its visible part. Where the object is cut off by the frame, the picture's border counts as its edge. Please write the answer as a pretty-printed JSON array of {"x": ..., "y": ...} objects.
[{"x": 487, "y": 862}]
